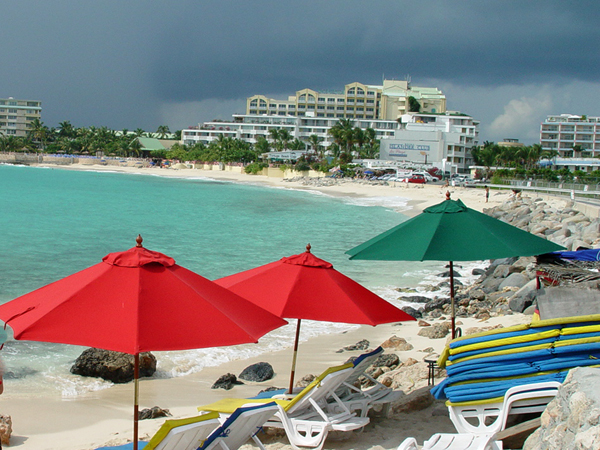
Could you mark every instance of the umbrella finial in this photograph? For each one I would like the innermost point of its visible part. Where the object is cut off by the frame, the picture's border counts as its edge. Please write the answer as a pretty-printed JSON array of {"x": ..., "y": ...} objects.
[
  {"x": 139, "y": 241},
  {"x": 308, "y": 248},
  {"x": 447, "y": 195}
]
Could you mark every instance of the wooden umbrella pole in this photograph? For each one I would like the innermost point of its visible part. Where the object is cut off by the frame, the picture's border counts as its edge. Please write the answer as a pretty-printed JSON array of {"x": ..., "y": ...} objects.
[
  {"x": 294, "y": 357},
  {"x": 136, "y": 376},
  {"x": 452, "y": 300}
]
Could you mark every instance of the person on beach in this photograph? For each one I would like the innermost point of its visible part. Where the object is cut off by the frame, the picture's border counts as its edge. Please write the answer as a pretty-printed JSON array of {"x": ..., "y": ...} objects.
[{"x": 487, "y": 194}]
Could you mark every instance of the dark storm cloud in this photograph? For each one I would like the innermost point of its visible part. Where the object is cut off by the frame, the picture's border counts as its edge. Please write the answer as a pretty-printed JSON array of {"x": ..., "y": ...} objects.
[
  {"x": 123, "y": 64},
  {"x": 280, "y": 48}
]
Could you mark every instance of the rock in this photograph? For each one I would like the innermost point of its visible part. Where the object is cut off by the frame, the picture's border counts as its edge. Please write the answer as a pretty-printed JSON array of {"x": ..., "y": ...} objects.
[
  {"x": 436, "y": 303},
  {"x": 5, "y": 429},
  {"x": 412, "y": 312},
  {"x": 153, "y": 413},
  {"x": 477, "y": 271},
  {"x": 422, "y": 323},
  {"x": 477, "y": 294},
  {"x": 363, "y": 344},
  {"x": 572, "y": 420},
  {"x": 398, "y": 344},
  {"x": 414, "y": 299},
  {"x": 258, "y": 372},
  {"x": 415, "y": 401},
  {"x": 447, "y": 274},
  {"x": 112, "y": 366},
  {"x": 437, "y": 331},
  {"x": 501, "y": 271},
  {"x": 305, "y": 381},
  {"x": 226, "y": 382},
  {"x": 514, "y": 280},
  {"x": 524, "y": 297},
  {"x": 387, "y": 360},
  {"x": 407, "y": 290}
]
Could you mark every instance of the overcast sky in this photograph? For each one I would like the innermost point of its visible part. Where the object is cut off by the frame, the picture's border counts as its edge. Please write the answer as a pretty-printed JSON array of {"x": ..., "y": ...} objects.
[{"x": 140, "y": 64}]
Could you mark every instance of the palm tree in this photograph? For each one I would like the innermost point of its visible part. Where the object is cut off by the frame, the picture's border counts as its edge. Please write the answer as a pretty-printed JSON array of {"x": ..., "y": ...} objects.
[
  {"x": 285, "y": 137},
  {"x": 315, "y": 143},
  {"x": 39, "y": 133},
  {"x": 162, "y": 131},
  {"x": 262, "y": 145},
  {"x": 139, "y": 132}
]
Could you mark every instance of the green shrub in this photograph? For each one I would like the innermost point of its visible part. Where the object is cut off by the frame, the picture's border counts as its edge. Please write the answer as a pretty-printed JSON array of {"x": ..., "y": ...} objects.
[{"x": 255, "y": 168}]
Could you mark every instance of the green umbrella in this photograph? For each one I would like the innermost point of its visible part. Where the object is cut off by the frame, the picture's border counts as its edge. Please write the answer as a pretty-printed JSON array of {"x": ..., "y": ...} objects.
[{"x": 449, "y": 231}]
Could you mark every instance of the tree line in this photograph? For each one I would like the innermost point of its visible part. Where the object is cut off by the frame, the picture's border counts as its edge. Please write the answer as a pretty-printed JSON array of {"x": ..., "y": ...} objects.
[{"x": 348, "y": 142}]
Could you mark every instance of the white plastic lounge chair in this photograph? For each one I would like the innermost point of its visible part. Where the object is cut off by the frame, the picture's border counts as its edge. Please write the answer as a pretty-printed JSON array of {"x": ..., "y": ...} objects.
[
  {"x": 477, "y": 424},
  {"x": 490, "y": 418},
  {"x": 363, "y": 400},
  {"x": 445, "y": 441},
  {"x": 243, "y": 424},
  {"x": 180, "y": 434},
  {"x": 307, "y": 418}
]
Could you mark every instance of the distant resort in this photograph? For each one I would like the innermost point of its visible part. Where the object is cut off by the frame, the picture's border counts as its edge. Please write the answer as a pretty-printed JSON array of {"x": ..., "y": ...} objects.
[{"x": 378, "y": 127}]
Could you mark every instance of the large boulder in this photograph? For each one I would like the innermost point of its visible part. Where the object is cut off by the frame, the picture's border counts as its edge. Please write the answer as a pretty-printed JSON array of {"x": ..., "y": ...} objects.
[
  {"x": 112, "y": 366},
  {"x": 524, "y": 297},
  {"x": 258, "y": 372},
  {"x": 514, "y": 280},
  {"x": 572, "y": 420}
]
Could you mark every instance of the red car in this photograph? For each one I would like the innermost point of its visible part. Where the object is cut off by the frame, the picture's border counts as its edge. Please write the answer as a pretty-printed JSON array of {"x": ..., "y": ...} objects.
[{"x": 417, "y": 179}]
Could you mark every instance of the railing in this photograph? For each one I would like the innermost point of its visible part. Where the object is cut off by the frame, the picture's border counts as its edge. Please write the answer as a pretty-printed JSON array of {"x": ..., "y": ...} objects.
[{"x": 590, "y": 189}]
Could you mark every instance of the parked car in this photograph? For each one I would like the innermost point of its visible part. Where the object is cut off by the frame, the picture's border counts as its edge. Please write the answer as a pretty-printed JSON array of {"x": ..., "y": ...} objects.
[
  {"x": 417, "y": 178},
  {"x": 430, "y": 178}
]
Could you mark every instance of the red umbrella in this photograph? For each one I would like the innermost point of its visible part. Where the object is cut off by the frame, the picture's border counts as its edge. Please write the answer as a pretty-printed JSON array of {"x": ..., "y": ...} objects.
[
  {"x": 137, "y": 301},
  {"x": 306, "y": 287}
]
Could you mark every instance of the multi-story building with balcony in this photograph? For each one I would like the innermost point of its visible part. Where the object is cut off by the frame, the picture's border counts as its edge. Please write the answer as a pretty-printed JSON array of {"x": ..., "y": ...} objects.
[
  {"x": 249, "y": 127},
  {"x": 357, "y": 102},
  {"x": 571, "y": 135},
  {"x": 16, "y": 116},
  {"x": 443, "y": 140}
]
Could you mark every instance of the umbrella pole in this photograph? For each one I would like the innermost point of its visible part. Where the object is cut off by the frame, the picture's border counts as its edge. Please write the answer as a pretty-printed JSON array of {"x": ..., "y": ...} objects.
[
  {"x": 136, "y": 376},
  {"x": 452, "y": 300},
  {"x": 294, "y": 357}
]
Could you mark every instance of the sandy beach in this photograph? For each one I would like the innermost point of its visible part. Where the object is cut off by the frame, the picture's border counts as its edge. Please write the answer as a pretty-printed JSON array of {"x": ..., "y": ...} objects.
[{"x": 105, "y": 417}]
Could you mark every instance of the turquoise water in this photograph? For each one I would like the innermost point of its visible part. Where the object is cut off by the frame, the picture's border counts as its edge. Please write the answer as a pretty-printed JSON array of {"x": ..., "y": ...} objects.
[{"x": 56, "y": 222}]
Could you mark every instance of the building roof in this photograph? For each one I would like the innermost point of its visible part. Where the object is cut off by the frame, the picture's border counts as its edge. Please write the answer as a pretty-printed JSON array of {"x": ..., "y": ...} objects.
[{"x": 151, "y": 144}]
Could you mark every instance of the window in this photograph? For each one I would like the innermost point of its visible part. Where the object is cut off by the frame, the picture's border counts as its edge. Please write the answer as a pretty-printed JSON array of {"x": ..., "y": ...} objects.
[
  {"x": 12, "y": 111},
  {"x": 12, "y": 103},
  {"x": 32, "y": 104},
  {"x": 359, "y": 91}
]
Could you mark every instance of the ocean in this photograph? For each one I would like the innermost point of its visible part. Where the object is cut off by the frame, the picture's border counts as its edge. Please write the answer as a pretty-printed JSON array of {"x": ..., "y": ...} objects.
[{"x": 56, "y": 222}]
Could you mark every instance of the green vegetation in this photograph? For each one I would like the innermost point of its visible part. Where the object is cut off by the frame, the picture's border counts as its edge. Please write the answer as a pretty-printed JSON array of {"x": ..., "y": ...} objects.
[
  {"x": 524, "y": 161},
  {"x": 349, "y": 142}
]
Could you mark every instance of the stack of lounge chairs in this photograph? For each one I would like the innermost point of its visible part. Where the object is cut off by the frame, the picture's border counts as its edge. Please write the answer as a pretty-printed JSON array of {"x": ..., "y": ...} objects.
[
  {"x": 483, "y": 366},
  {"x": 506, "y": 371}
]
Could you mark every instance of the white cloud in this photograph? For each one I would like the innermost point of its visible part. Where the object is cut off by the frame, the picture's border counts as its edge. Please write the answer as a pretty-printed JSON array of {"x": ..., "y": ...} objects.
[{"x": 522, "y": 117}]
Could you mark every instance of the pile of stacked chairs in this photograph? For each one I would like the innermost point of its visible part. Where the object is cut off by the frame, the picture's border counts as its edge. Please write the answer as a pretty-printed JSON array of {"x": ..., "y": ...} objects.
[{"x": 482, "y": 367}]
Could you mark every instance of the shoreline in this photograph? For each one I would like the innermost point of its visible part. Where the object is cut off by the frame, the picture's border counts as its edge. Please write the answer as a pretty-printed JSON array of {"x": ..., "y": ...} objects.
[
  {"x": 104, "y": 417},
  {"x": 418, "y": 197}
]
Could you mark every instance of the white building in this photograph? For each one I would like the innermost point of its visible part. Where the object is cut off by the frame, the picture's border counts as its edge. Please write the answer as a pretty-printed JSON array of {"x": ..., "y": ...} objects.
[
  {"x": 249, "y": 127},
  {"x": 562, "y": 133},
  {"x": 16, "y": 115},
  {"x": 442, "y": 140}
]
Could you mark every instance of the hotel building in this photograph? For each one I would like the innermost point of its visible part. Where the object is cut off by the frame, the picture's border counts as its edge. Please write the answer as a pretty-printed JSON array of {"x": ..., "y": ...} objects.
[
  {"x": 310, "y": 112},
  {"x": 443, "y": 140},
  {"x": 16, "y": 115},
  {"x": 357, "y": 101},
  {"x": 562, "y": 133}
]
